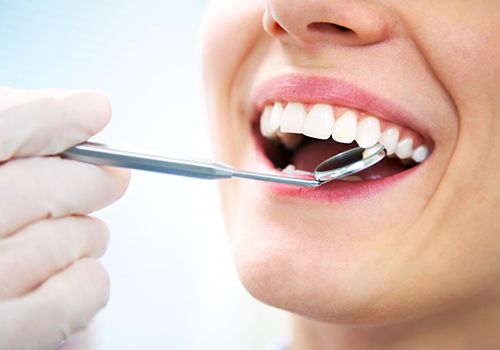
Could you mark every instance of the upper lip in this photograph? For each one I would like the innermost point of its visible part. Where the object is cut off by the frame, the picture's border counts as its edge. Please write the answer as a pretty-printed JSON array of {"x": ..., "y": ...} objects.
[{"x": 317, "y": 89}]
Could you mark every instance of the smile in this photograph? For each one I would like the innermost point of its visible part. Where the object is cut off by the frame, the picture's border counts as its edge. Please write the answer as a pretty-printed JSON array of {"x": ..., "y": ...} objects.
[{"x": 294, "y": 132}]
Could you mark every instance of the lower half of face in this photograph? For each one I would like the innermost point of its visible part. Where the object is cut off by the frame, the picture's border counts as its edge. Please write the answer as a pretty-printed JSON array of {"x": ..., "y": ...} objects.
[{"x": 413, "y": 236}]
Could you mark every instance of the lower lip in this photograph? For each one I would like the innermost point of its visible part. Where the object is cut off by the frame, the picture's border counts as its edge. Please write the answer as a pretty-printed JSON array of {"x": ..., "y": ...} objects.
[{"x": 334, "y": 191}]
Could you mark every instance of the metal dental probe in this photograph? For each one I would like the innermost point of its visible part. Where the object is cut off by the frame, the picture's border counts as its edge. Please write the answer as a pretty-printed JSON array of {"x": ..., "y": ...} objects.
[{"x": 340, "y": 165}]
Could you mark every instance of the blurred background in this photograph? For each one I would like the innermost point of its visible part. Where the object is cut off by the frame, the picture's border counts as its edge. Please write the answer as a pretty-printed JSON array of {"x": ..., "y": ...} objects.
[{"x": 173, "y": 279}]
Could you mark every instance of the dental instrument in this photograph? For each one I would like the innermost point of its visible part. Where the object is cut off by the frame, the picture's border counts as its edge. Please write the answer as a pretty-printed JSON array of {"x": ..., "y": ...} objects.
[{"x": 334, "y": 168}]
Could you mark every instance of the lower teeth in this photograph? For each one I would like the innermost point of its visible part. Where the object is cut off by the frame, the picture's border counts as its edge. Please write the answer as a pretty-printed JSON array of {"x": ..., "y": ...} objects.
[
  {"x": 291, "y": 170},
  {"x": 352, "y": 178},
  {"x": 283, "y": 152}
]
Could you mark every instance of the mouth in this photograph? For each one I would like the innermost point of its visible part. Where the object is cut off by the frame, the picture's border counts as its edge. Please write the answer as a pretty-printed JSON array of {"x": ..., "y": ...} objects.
[{"x": 298, "y": 126}]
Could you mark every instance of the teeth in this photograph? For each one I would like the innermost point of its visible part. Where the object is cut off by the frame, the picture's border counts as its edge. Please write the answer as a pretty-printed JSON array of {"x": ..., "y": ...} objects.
[
  {"x": 293, "y": 118},
  {"x": 368, "y": 133},
  {"x": 292, "y": 122},
  {"x": 420, "y": 154},
  {"x": 292, "y": 170},
  {"x": 370, "y": 151},
  {"x": 275, "y": 117},
  {"x": 319, "y": 122},
  {"x": 290, "y": 141},
  {"x": 344, "y": 130},
  {"x": 405, "y": 148},
  {"x": 265, "y": 123},
  {"x": 352, "y": 178},
  {"x": 389, "y": 139}
]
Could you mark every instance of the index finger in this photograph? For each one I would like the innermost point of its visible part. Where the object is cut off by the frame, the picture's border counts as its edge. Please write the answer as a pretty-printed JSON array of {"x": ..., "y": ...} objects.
[{"x": 47, "y": 122}]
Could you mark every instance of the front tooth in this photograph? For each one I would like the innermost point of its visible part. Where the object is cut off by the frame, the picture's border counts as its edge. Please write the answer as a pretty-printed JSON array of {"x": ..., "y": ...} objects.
[
  {"x": 420, "y": 154},
  {"x": 405, "y": 148},
  {"x": 368, "y": 132},
  {"x": 293, "y": 118},
  {"x": 265, "y": 123},
  {"x": 389, "y": 139},
  {"x": 275, "y": 117},
  {"x": 344, "y": 130},
  {"x": 291, "y": 141},
  {"x": 319, "y": 122}
]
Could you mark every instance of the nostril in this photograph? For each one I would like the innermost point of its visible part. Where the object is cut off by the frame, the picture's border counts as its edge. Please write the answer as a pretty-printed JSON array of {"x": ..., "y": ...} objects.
[
  {"x": 327, "y": 27},
  {"x": 273, "y": 27},
  {"x": 278, "y": 29},
  {"x": 342, "y": 28}
]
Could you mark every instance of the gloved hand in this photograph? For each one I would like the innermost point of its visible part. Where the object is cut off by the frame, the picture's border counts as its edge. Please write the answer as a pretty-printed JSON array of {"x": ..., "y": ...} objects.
[{"x": 51, "y": 284}]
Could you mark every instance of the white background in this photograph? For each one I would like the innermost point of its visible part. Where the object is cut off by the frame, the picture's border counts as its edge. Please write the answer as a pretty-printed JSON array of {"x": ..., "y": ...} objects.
[{"x": 173, "y": 280}]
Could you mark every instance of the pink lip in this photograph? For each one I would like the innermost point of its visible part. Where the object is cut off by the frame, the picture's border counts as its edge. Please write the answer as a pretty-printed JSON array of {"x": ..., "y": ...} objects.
[
  {"x": 312, "y": 89},
  {"x": 315, "y": 89}
]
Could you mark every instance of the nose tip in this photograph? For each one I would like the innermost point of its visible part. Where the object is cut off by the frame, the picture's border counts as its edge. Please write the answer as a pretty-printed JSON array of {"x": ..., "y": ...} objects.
[{"x": 316, "y": 22}]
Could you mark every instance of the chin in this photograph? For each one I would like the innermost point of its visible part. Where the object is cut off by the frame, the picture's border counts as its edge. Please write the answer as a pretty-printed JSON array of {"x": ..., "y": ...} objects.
[
  {"x": 312, "y": 278},
  {"x": 301, "y": 256}
]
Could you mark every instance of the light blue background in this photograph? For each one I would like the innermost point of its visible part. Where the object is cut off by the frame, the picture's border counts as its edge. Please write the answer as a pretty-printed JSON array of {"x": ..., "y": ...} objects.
[{"x": 173, "y": 281}]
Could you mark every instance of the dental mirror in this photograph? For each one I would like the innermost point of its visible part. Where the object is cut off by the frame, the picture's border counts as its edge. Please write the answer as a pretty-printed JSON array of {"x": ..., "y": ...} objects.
[
  {"x": 349, "y": 163},
  {"x": 341, "y": 165}
]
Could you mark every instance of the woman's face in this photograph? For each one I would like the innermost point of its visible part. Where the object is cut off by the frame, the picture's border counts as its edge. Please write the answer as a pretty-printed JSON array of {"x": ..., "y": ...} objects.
[{"x": 402, "y": 240}]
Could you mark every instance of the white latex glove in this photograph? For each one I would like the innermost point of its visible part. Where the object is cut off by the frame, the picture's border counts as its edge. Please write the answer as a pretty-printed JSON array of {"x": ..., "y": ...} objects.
[{"x": 51, "y": 284}]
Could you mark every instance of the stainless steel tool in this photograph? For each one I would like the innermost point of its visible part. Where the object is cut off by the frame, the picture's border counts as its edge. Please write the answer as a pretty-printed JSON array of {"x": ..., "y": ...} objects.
[{"x": 340, "y": 165}]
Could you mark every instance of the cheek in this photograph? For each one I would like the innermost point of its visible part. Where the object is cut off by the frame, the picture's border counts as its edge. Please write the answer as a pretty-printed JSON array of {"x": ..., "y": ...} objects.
[
  {"x": 230, "y": 29},
  {"x": 462, "y": 48}
]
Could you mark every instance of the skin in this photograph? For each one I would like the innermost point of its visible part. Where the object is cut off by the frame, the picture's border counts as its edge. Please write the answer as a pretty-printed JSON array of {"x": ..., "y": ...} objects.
[{"x": 415, "y": 269}]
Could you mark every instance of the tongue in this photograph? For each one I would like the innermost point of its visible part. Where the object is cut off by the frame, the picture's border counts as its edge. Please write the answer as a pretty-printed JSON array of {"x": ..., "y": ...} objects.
[{"x": 308, "y": 156}]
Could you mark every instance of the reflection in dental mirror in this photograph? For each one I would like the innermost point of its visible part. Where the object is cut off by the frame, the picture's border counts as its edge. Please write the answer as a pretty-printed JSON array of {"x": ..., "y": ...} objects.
[{"x": 348, "y": 163}]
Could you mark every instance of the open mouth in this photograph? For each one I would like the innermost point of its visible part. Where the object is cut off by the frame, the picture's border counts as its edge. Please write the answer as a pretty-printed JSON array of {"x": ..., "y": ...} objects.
[{"x": 296, "y": 137}]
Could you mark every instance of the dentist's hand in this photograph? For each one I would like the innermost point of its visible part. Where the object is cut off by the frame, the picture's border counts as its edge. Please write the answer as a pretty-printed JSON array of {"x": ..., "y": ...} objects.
[{"x": 51, "y": 284}]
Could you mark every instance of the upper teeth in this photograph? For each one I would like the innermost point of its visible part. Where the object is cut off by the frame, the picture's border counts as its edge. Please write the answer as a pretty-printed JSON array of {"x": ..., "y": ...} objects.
[
  {"x": 344, "y": 130},
  {"x": 343, "y": 125},
  {"x": 319, "y": 122},
  {"x": 389, "y": 139}
]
